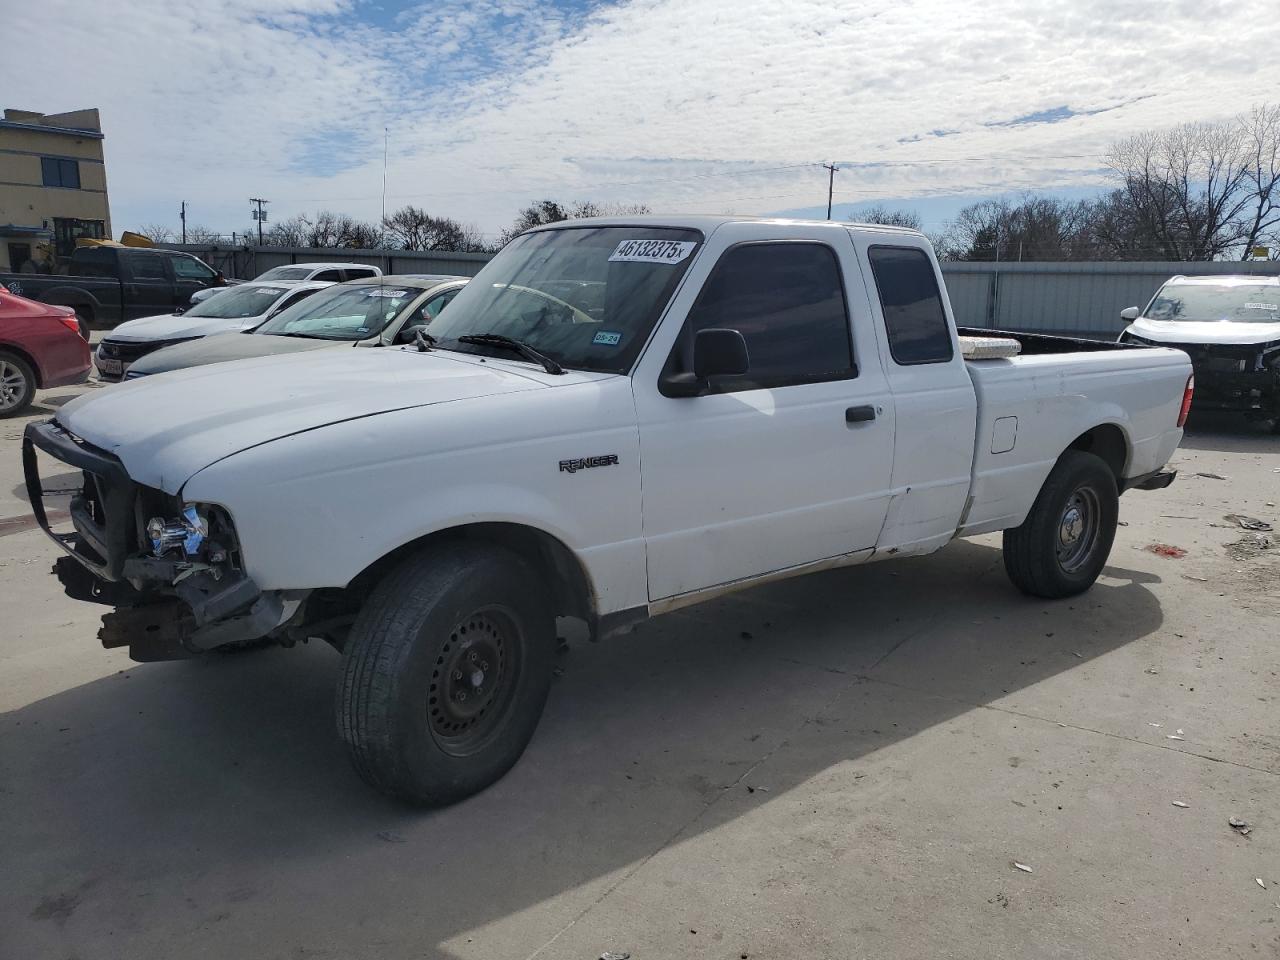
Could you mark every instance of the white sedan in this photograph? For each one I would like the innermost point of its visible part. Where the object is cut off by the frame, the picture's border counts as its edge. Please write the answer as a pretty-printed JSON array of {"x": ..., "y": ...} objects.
[
  {"x": 239, "y": 308},
  {"x": 338, "y": 272}
]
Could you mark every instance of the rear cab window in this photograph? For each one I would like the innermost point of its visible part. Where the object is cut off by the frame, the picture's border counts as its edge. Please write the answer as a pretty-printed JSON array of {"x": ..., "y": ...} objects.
[
  {"x": 145, "y": 266},
  {"x": 911, "y": 302}
]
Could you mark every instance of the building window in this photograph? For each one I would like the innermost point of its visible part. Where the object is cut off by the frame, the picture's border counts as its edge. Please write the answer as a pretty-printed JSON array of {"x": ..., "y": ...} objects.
[{"x": 60, "y": 173}]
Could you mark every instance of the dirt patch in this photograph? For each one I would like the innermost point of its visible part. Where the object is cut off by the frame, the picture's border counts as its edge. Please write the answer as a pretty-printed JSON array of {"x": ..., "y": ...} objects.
[{"x": 1250, "y": 546}]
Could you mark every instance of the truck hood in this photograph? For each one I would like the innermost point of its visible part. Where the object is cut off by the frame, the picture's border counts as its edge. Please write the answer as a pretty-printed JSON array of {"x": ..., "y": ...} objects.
[
  {"x": 223, "y": 347},
  {"x": 1221, "y": 331},
  {"x": 166, "y": 428},
  {"x": 175, "y": 326}
]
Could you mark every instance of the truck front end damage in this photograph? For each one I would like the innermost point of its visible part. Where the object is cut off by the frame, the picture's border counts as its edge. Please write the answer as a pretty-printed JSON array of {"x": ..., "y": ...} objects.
[{"x": 172, "y": 570}]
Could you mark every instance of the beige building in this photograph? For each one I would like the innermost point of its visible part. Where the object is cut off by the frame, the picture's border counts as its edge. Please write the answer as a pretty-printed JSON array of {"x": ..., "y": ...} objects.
[{"x": 53, "y": 185}]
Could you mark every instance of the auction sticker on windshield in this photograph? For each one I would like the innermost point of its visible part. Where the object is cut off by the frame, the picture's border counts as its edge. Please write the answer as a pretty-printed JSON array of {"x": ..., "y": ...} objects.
[
  {"x": 652, "y": 251},
  {"x": 391, "y": 294}
]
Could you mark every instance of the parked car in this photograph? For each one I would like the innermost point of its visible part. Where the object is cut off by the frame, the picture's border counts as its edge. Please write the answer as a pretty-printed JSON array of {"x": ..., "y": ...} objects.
[
  {"x": 753, "y": 399},
  {"x": 331, "y": 272},
  {"x": 1230, "y": 328},
  {"x": 360, "y": 312},
  {"x": 109, "y": 285},
  {"x": 242, "y": 308},
  {"x": 40, "y": 347}
]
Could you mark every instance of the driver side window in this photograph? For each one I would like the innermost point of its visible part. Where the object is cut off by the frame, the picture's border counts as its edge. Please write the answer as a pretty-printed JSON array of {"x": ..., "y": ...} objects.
[{"x": 787, "y": 300}]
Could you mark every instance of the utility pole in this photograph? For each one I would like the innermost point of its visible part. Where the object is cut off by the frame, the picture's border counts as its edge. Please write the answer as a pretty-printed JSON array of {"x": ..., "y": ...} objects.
[
  {"x": 260, "y": 215},
  {"x": 831, "y": 169},
  {"x": 183, "y": 217}
]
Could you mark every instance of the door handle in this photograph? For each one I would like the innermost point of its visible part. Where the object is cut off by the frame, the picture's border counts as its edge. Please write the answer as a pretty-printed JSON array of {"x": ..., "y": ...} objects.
[{"x": 862, "y": 414}]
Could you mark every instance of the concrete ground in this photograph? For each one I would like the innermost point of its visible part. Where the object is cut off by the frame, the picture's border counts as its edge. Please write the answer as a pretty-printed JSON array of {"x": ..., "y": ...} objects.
[{"x": 841, "y": 766}]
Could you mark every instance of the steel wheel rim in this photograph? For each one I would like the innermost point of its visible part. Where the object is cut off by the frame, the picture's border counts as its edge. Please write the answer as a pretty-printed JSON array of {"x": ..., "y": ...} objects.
[
  {"x": 1078, "y": 529},
  {"x": 473, "y": 681},
  {"x": 12, "y": 385}
]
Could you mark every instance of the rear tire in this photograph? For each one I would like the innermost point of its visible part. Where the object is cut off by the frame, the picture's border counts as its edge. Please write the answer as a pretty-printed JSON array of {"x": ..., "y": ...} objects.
[
  {"x": 446, "y": 672},
  {"x": 17, "y": 384},
  {"x": 1062, "y": 546}
]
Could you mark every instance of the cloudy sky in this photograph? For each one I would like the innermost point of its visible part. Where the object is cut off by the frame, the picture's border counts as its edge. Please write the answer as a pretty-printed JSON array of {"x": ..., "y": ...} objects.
[{"x": 687, "y": 105}]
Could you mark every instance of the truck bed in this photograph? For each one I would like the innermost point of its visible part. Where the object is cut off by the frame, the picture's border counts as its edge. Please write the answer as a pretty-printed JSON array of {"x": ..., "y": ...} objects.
[{"x": 1033, "y": 406}]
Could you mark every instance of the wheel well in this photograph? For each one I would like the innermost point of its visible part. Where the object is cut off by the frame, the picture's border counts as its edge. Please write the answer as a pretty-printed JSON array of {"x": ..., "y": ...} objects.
[
  {"x": 1107, "y": 442},
  {"x": 30, "y": 361},
  {"x": 566, "y": 578}
]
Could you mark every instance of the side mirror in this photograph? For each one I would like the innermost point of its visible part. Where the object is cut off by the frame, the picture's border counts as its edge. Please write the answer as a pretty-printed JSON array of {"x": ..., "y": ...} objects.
[
  {"x": 1130, "y": 313},
  {"x": 407, "y": 334},
  {"x": 717, "y": 352}
]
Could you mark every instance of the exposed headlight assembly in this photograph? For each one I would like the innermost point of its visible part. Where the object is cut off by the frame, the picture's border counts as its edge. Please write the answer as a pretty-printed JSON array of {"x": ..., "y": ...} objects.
[{"x": 187, "y": 532}]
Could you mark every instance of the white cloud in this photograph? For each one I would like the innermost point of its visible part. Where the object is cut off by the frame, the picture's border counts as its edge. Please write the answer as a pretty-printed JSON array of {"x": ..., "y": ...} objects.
[{"x": 493, "y": 103}]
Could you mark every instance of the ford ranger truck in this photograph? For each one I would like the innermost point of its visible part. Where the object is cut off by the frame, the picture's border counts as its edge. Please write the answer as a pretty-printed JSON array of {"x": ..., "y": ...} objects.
[{"x": 615, "y": 419}]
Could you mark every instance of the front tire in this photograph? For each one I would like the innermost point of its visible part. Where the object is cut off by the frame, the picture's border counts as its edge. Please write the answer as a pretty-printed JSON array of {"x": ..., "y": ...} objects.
[
  {"x": 446, "y": 672},
  {"x": 17, "y": 384},
  {"x": 1062, "y": 546}
]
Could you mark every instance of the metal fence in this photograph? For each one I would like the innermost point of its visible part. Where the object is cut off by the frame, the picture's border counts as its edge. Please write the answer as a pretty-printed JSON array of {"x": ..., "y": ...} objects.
[
  {"x": 249, "y": 262},
  {"x": 1072, "y": 299}
]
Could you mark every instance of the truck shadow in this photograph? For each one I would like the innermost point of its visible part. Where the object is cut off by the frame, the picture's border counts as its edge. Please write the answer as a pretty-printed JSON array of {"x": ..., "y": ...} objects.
[
  {"x": 217, "y": 788},
  {"x": 1228, "y": 433}
]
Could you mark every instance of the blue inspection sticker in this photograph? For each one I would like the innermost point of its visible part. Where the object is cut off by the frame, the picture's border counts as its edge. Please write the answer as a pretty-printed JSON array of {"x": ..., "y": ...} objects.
[{"x": 607, "y": 338}]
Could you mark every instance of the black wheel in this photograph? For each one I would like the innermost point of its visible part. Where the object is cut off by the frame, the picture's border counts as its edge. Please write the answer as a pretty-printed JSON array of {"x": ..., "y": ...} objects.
[
  {"x": 1062, "y": 546},
  {"x": 446, "y": 672},
  {"x": 17, "y": 384}
]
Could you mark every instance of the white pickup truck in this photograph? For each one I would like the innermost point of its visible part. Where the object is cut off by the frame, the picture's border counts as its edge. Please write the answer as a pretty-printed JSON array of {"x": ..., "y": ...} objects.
[{"x": 615, "y": 419}]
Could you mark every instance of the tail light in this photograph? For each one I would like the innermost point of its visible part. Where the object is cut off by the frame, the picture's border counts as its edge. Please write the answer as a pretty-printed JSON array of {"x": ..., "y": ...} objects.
[
  {"x": 1186, "y": 400},
  {"x": 72, "y": 323}
]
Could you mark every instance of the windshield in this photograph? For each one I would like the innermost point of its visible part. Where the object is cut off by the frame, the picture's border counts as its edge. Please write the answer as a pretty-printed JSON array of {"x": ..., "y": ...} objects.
[
  {"x": 585, "y": 296},
  {"x": 342, "y": 313},
  {"x": 286, "y": 273},
  {"x": 238, "y": 303},
  {"x": 1238, "y": 303}
]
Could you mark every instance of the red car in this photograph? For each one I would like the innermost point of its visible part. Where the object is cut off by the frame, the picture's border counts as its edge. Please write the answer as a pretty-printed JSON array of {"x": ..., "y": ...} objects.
[{"x": 40, "y": 347}]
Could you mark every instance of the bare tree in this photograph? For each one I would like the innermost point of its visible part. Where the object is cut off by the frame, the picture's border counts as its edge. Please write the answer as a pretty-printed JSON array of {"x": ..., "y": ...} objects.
[
  {"x": 291, "y": 232},
  {"x": 1261, "y": 219},
  {"x": 888, "y": 217},
  {"x": 1185, "y": 188},
  {"x": 550, "y": 211},
  {"x": 412, "y": 228},
  {"x": 202, "y": 234},
  {"x": 156, "y": 232}
]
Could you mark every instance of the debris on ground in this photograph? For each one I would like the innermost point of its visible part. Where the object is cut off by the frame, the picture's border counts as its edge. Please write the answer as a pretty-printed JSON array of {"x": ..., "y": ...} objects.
[
  {"x": 1260, "y": 883},
  {"x": 1025, "y": 869},
  {"x": 1239, "y": 826},
  {"x": 1250, "y": 546},
  {"x": 1179, "y": 803},
  {"x": 1166, "y": 550},
  {"x": 1173, "y": 736},
  {"x": 1153, "y": 671},
  {"x": 1248, "y": 523},
  {"x": 751, "y": 789},
  {"x": 1212, "y": 476},
  {"x": 1187, "y": 576},
  {"x": 615, "y": 955},
  {"x": 1001, "y": 899}
]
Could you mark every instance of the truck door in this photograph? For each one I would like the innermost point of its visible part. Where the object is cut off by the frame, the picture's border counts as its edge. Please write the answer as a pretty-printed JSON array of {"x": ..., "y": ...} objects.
[
  {"x": 146, "y": 284},
  {"x": 790, "y": 463},
  {"x": 189, "y": 275},
  {"x": 932, "y": 394}
]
